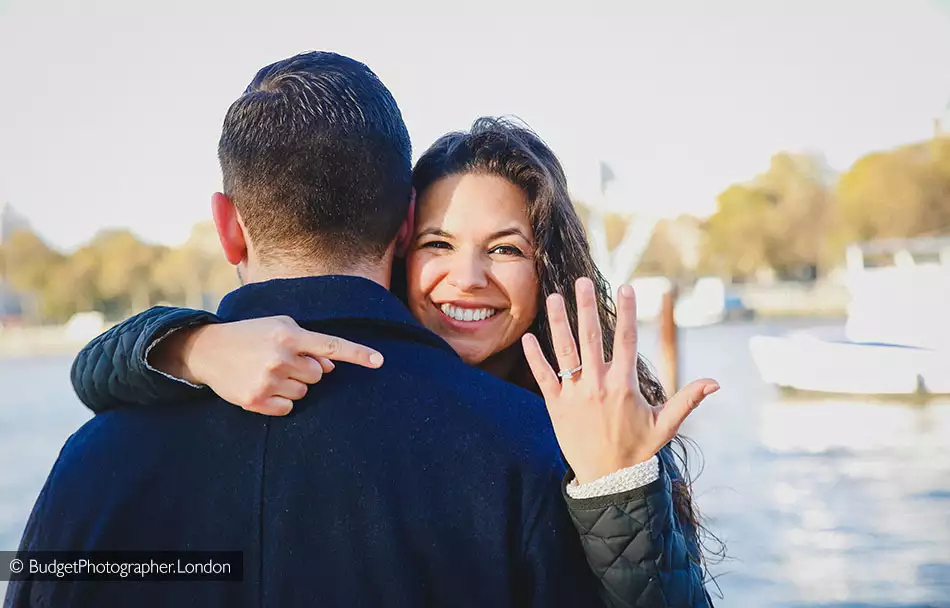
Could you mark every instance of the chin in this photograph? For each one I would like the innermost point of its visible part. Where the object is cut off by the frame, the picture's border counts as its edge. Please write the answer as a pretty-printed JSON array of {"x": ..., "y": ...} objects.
[
  {"x": 468, "y": 354},
  {"x": 472, "y": 358}
]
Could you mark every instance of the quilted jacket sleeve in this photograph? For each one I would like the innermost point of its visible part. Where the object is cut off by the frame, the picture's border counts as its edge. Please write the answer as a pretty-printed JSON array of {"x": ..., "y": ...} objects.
[
  {"x": 638, "y": 549},
  {"x": 111, "y": 371}
]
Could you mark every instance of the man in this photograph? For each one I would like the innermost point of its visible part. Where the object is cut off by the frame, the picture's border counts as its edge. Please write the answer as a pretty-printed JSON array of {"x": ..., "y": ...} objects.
[{"x": 422, "y": 483}]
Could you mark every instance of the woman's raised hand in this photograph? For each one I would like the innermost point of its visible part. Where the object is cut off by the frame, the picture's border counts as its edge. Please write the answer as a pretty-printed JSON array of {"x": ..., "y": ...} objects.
[
  {"x": 262, "y": 365},
  {"x": 602, "y": 420}
]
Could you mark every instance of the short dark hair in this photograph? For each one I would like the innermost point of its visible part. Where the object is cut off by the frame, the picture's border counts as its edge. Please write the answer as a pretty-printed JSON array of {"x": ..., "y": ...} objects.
[{"x": 316, "y": 157}]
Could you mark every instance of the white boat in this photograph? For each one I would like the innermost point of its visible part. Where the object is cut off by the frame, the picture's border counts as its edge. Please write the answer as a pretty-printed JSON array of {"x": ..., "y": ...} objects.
[
  {"x": 703, "y": 303},
  {"x": 896, "y": 340}
]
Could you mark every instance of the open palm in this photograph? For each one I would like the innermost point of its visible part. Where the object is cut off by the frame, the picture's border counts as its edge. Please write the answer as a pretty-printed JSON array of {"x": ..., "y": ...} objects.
[{"x": 602, "y": 420}]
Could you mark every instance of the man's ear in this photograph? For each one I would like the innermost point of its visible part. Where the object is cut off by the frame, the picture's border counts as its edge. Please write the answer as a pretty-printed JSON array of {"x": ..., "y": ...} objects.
[
  {"x": 408, "y": 228},
  {"x": 230, "y": 232}
]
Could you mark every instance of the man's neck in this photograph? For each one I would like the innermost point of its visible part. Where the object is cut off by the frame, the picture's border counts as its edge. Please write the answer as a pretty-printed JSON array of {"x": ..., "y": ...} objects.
[{"x": 378, "y": 272}]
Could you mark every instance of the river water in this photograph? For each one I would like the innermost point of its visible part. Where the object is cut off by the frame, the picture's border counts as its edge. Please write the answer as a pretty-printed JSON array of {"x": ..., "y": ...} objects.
[{"x": 821, "y": 502}]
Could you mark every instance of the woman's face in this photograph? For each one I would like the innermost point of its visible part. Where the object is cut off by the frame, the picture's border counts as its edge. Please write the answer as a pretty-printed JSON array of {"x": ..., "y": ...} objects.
[{"x": 470, "y": 269}]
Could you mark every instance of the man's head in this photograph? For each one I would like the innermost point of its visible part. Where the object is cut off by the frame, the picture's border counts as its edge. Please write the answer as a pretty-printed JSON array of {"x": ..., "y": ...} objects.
[{"x": 317, "y": 170}]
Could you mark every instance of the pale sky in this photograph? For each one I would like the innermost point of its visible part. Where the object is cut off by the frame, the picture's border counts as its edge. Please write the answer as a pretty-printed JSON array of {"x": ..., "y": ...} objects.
[{"x": 111, "y": 118}]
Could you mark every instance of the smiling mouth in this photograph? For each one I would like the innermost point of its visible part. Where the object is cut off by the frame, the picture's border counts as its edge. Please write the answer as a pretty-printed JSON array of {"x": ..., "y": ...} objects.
[{"x": 467, "y": 315}]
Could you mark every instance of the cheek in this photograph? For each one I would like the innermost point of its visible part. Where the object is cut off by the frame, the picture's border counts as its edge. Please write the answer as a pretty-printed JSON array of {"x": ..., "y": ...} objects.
[
  {"x": 422, "y": 275},
  {"x": 521, "y": 284}
]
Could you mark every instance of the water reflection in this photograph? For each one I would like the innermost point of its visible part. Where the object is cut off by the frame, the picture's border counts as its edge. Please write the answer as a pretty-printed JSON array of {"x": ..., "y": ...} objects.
[
  {"x": 822, "y": 425},
  {"x": 840, "y": 502},
  {"x": 861, "y": 489}
]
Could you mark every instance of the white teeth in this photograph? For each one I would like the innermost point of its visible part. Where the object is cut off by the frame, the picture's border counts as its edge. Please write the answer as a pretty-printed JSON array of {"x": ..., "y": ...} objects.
[{"x": 467, "y": 314}]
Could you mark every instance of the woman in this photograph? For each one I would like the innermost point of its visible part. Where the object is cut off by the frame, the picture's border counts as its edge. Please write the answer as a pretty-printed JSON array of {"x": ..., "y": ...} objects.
[{"x": 496, "y": 240}]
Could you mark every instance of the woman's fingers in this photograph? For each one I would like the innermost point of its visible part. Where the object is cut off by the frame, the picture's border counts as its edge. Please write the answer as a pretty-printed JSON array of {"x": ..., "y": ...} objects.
[
  {"x": 563, "y": 340},
  {"x": 282, "y": 401},
  {"x": 291, "y": 389},
  {"x": 306, "y": 369},
  {"x": 588, "y": 328},
  {"x": 681, "y": 405},
  {"x": 625, "y": 336},
  {"x": 274, "y": 406},
  {"x": 331, "y": 347},
  {"x": 540, "y": 368}
]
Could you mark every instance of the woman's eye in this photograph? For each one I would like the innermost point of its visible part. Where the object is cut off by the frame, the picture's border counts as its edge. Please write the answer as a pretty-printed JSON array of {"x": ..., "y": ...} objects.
[
  {"x": 435, "y": 245},
  {"x": 507, "y": 250}
]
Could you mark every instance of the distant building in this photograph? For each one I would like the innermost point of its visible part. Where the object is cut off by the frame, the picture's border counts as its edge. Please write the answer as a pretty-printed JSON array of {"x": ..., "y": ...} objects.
[
  {"x": 942, "y": 123},
  {"x": 11, "y": 302},
  {"x": 10, "y": 222}
]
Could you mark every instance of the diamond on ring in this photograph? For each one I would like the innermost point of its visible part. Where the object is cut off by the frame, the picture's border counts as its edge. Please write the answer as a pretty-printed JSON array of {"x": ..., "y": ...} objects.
[{"x": 567, "y": 374}]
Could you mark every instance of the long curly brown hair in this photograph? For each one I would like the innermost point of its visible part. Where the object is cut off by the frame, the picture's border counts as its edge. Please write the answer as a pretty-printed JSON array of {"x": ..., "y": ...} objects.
[{"x": 508, "y": 149}]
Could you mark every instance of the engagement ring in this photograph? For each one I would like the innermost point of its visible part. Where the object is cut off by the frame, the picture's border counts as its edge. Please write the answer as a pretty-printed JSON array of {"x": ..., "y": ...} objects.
[{"x": 569, "y": 373}]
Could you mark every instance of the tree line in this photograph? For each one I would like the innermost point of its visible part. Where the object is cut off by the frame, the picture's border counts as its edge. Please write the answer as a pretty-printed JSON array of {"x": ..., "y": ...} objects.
[
  {"x": 115, "y": 273},
  {"x": 799, "y": 215},
  {"x": 794, "y": 221}
]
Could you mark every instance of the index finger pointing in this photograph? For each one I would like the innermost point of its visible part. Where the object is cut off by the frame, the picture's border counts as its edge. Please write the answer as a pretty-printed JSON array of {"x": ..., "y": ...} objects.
[{"x": 337, "y": 349}]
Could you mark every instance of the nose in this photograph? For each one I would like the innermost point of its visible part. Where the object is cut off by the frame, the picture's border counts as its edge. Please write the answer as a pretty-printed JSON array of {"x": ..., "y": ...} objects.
[{"x": 467, "y": 273}]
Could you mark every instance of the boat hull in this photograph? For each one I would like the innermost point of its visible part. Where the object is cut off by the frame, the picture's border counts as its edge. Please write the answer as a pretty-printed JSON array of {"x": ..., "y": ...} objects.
[{"x": 810, "y": 363}]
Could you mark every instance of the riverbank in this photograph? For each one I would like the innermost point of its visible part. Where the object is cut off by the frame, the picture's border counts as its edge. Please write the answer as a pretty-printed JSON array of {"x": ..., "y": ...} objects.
[{"x": 40, "y": 341}]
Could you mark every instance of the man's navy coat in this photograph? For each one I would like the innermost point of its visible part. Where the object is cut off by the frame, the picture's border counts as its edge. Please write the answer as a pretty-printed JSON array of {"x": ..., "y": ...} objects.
[{"x": 423, "y": 483}]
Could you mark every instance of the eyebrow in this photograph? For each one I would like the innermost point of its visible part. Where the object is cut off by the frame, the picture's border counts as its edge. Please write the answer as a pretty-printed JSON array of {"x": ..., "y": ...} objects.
[{"x": 495, "y": 235}]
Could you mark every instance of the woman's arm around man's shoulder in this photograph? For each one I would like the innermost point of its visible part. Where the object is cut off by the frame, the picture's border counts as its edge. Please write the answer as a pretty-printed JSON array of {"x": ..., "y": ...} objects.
[{"x": 113, "y": 371}]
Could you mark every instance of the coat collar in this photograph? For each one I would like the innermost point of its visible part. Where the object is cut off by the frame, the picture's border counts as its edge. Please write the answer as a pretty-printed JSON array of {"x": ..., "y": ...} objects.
[{"x": 328, "y": 298}]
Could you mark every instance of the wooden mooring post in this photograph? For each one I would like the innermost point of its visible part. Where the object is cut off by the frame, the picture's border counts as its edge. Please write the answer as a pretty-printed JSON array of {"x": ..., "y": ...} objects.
[{"x": 669, "y": 343}]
